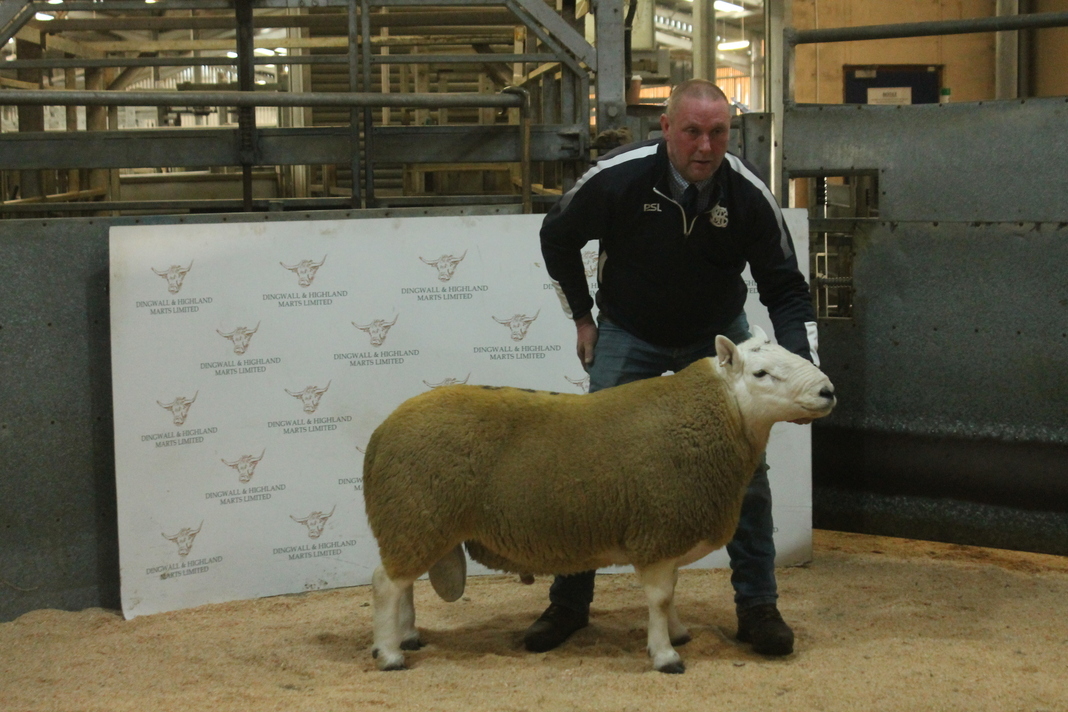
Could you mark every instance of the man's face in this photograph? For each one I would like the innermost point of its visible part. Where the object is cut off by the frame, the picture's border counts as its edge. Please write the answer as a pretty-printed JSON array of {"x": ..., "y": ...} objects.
[{"x": 697, "y": 136}]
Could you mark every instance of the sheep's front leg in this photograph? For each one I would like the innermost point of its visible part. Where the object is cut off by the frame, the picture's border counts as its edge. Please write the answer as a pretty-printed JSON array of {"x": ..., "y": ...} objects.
[
  {"x": 658, "y": 580},
  {"x": 391, "y": 598}
]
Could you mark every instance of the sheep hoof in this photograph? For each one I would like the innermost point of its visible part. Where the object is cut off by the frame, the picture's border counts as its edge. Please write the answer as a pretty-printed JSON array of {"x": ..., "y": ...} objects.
[
  {"x": 526, "y": 579},
  {"x": 389, "y": 663},
  {"x": 413, "y": 643},
  {"x": 681, "y": 640},
  {"x": 673, "y": 668}
]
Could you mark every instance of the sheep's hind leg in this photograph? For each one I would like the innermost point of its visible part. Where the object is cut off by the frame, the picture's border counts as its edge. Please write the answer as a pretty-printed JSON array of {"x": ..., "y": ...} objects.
[
  {"x": 391, "y": 597},
  {"x": 658, "y": 580},
  {"x": 677, "y": 631},
  {"x": 410, "y": 639}
]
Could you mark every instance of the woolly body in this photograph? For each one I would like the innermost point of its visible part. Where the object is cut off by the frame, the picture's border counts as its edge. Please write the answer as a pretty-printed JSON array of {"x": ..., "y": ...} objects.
[{"x": 497, "y": 467}]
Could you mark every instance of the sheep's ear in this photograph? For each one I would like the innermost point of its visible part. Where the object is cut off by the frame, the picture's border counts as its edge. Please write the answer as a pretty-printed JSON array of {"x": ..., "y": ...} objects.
[
  {"x": 759, "y": 334},
  {"x": 726, "y": 352}
]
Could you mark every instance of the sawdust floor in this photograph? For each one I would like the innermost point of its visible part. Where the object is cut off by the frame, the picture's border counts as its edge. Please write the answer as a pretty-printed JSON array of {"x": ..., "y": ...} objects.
[{"x": 881, "y": 624}]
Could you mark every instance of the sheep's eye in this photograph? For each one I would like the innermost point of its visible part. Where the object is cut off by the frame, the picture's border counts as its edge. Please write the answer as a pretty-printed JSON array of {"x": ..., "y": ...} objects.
[{"x": 761, "y": 373}]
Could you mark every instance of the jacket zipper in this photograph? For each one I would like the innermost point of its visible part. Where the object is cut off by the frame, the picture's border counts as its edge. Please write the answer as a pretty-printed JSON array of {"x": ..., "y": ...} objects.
[{"x": 686, "y": 224}]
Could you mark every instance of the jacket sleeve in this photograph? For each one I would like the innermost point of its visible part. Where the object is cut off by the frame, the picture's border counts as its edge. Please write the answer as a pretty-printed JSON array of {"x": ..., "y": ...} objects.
[
  {"x": 783, "y": 290},
  {"x": 581, "y": 215}
]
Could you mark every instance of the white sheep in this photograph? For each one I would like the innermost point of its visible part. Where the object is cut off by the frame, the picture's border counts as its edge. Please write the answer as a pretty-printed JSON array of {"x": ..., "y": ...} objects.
[{"x": 650, "y": 473}]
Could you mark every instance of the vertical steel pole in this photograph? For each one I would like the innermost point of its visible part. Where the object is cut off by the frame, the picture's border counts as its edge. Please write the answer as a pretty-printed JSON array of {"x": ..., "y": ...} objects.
[
  {"x": 246, "y": 81},
  {"x": 354, "y": 113},
  {"x": 368, "y": 115}
]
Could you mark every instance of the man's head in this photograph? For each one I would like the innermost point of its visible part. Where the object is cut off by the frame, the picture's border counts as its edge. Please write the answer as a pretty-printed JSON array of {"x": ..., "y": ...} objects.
[{"x": 696, "y": 126}]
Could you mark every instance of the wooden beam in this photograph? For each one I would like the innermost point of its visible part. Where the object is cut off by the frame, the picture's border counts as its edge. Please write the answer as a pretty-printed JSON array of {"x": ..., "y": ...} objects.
[
  {"x": 73, "y": 47},
  {"x": 61, "y": 197},
  {"x": 16, "y": 84}
]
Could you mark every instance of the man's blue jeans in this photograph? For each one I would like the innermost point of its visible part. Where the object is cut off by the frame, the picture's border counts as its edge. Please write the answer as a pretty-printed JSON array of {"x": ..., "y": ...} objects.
[{"x": 621, "y": 358}]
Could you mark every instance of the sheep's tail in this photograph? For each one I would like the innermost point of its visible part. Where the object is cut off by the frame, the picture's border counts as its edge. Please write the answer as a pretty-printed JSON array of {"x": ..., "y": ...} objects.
[{"x": 449, "y": 574}]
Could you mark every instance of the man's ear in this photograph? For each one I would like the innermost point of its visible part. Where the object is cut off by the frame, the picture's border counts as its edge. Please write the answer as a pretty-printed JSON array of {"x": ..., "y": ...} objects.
[
  {"x": 664, "y": 123},
  {"x": 726, "y": 353}
]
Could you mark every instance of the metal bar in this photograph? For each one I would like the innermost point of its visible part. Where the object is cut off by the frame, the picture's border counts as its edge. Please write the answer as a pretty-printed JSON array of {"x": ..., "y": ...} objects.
[
  {"x": 354, "y": 124},
  {"x": 23, "y": 97},
  {"x": 433, "y": 3},
  {"x": 926, "y": 29},
  {"x": 368, "y": 119},
  {"x": 77, "y": 63},
  {"x": 560, "y": 55},
  {"x": 462, "y": 58},
  {"x": 260, "y": 204},
  {"x": 65, "y": 63},
  {"x": 524, "y": 145},
  {"x": 285, "y": 146},
  {"x": 13, "y": 15},
  {"x": 443, "y": 17},
  {"x": 136, "y": 6},
  {"x": 545, "y": 16},
  {"x": 246, "y": 81}
]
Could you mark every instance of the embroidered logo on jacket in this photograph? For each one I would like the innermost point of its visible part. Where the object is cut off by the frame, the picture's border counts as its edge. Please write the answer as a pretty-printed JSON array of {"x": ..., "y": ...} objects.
[
  {"x": 719, "y": 216},
  {"x": 652, "y": 208}
]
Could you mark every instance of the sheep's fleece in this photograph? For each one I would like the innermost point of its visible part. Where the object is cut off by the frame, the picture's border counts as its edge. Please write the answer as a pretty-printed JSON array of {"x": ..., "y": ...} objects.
[{"x": 651, "y": 473}]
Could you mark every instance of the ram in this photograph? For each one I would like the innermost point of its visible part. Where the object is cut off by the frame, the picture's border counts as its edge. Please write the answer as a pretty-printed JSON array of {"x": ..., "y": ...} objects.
[{"x": 650, "y": 473}]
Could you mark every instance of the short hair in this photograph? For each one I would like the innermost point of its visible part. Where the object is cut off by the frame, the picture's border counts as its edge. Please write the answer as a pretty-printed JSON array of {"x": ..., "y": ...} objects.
[{"x": 694, "y": 88}]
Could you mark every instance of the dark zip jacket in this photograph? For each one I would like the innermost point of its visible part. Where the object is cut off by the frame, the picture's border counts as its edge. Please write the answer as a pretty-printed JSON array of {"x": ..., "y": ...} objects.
[{"x": 669, "y": 279}]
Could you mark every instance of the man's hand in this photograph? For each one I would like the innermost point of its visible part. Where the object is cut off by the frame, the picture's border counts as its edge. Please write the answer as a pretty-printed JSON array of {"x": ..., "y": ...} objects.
[{"x": 587, "y": 339}]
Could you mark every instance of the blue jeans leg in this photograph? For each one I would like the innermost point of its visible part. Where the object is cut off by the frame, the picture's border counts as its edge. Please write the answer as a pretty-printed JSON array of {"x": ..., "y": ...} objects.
[{"x": 752, "y": 550}]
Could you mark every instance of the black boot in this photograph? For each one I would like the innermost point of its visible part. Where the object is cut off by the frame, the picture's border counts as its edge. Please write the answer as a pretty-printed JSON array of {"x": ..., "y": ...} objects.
[
  {"x": 554, "y": 626},
  {"x": 766, "y": 630}
]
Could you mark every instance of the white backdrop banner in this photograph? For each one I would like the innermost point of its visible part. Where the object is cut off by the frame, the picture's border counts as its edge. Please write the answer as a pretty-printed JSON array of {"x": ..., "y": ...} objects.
[{"x": 252, "y": 361}]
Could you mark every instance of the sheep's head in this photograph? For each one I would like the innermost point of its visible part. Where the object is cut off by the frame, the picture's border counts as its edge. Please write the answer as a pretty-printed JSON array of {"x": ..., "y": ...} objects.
[{"x": 772, "y": 384}]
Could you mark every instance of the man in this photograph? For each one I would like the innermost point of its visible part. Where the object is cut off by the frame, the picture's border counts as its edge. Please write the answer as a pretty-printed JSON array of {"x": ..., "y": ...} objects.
[{"x": 677, "y": 219}]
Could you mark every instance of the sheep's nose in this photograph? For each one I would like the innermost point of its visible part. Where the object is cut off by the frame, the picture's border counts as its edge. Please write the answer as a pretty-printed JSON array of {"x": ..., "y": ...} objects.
[{"x": 827, "y": 392}]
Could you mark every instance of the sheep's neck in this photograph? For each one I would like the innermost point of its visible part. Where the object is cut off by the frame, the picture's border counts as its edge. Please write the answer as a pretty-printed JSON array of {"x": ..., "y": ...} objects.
[{"x": 757, "y": 429}]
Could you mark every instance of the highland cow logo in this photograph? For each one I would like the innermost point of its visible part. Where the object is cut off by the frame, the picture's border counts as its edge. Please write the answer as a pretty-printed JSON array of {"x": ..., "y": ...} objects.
[
  {"x": 519, "y": 324},
  {"x": 175, "y": 275},
  {"x": 310, "y": 396},
  {"x": 583, "y": 383},
  {"x": 241, "y": 336},
  {"x": 184, "y": 539},
  {"x": 589, "y": 262},
  {"x": 448, "y": 382},
  {"x": 245, "y": 466},
  {"x": 315, "y": 522},
  {"x": 445, "y": 265},
  {"x": 377, "y": 330},
  {"x": 179, "y": 407},
  {"x": 305, "y": 270}
]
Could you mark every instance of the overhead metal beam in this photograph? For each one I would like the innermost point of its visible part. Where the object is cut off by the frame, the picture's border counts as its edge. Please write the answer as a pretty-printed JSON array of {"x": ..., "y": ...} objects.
[
  {"x": 66, "y": 63},
  {"x": 285, "y": 146},
  {"x": 18, "y": 97},
  {"x": 927, "y": 29},
  {"x": 433, "y": 18}
]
